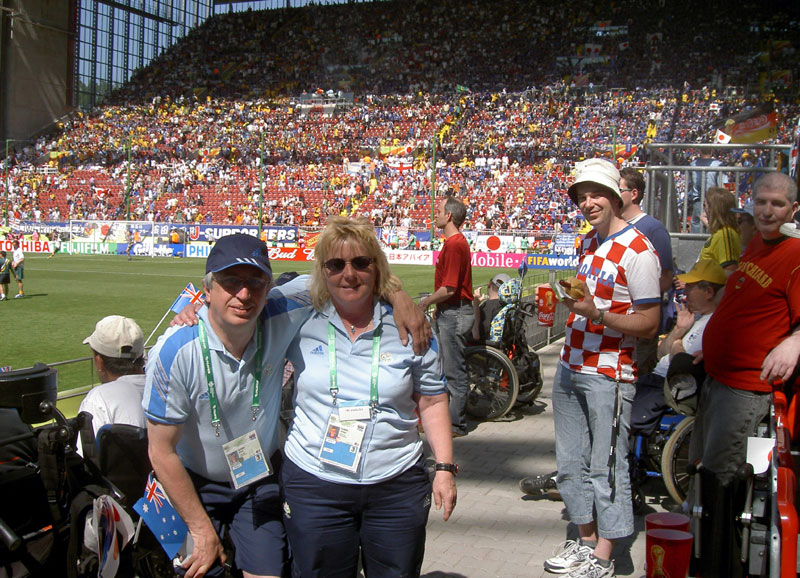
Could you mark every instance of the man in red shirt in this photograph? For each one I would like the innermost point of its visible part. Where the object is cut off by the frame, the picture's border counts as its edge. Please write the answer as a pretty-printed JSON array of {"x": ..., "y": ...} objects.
[
  {"x": 752, "y": 341},
  {"x": 453, "y": 299}
]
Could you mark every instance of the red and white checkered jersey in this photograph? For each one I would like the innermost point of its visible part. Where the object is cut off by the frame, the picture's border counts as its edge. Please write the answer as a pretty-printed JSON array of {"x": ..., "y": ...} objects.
[{"x": 620, "y": 271}]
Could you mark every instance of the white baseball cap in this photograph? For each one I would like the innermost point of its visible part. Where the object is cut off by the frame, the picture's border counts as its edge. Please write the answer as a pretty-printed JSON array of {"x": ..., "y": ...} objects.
[
  {"x": 117, "y": 336},
  {"x": 499, "y": 279},
  {"x": 598, "y": 171}
]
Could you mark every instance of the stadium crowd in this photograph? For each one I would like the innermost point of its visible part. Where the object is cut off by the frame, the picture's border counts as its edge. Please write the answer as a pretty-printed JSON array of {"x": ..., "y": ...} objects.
[{"x": 186, "y": 139}]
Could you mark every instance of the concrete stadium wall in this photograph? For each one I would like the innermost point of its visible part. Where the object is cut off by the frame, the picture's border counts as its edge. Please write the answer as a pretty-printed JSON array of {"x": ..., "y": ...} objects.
[{"x": 35, "y": 65}]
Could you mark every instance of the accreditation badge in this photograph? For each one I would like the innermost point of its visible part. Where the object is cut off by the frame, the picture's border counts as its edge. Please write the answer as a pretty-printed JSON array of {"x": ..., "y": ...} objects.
[
  {"x": 343, "y": 440},
  {"x": 246, "y": 460}
]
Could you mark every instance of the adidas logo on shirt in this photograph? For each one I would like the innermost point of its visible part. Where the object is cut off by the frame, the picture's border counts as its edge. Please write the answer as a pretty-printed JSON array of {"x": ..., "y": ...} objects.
[{"x": 317, "y": 350}]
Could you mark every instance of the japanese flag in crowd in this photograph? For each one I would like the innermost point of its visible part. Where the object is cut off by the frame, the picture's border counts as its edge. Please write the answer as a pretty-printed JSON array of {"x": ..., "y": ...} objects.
[
  {"x": 189, "y": 296},
  {"x": 722, "y": 138},
  {"x": 162, "y": 519}
]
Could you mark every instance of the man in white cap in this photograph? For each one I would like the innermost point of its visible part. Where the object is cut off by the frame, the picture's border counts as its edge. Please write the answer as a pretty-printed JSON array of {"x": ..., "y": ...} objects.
[
  {"x": 118, "y": 352},
  {"x": 594, "y": 382}
]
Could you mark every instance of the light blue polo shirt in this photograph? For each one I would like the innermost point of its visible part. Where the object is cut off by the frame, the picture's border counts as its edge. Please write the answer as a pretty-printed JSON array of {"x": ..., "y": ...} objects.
[
  {"x": 176, "y": 391},
  {"x": 395, "y": 444}
]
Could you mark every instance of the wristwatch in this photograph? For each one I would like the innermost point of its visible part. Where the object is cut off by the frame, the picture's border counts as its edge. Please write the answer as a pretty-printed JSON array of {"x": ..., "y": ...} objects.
[
  {"x": 445, "y": 467},
  {"x": 599, "y": 319}
]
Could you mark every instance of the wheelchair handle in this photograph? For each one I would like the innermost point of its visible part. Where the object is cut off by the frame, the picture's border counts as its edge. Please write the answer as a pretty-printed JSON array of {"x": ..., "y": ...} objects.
[{"x": 9, "y": 537}]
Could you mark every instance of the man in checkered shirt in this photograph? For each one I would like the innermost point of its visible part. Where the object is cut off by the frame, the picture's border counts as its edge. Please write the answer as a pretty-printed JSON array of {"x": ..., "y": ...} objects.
[{"x": 594, "y": 382}]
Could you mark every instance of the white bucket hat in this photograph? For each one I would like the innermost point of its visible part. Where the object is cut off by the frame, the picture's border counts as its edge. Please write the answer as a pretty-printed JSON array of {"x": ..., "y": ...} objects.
[{"x": 598, "y": 171}]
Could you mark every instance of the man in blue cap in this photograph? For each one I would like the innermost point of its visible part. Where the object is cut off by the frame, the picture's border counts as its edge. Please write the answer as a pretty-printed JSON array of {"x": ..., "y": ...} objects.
[{"x": 212, "y": 400}]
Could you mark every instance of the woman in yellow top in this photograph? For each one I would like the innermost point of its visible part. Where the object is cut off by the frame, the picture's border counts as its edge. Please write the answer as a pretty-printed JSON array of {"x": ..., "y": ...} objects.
[{"x": 724, "y": 245}]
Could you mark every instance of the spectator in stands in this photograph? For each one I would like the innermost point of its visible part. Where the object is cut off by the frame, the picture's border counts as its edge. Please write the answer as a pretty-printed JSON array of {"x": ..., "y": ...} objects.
[
  {"x": 593, "y": 388},
  {"x": 752, "y": 342},
  {"x": 700, "y": 182},
  {"x": 746, "y": 223},
  {"x": 724, "y": 245},
  {"x": 631, "y": 186},
  {"x": 118, "y": 354},
  {"x": 485, "y": 307}
]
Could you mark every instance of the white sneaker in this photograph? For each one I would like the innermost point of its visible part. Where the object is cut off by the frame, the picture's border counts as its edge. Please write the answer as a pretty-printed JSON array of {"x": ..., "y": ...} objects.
[
  {"x": 2, "y": 297},
  {"x": 566, "y": 556},
  {"x": 592, "y": 569}
]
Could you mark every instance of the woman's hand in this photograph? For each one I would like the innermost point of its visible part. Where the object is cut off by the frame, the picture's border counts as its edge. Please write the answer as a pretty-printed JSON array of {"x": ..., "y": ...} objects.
[{"x": 444, "y": 492}]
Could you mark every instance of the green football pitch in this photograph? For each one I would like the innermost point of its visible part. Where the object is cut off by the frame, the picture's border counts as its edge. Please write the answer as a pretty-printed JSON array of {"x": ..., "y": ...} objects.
[{"x": 65, "y": 297}]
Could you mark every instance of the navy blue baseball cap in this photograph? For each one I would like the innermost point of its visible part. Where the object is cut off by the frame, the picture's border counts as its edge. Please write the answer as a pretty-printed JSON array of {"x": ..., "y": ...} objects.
[{"x": 238, "y": 249}]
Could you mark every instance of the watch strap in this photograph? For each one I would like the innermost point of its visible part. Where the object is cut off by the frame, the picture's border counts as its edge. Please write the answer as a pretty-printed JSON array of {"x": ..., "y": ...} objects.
[{"x": 446, "y": 467}]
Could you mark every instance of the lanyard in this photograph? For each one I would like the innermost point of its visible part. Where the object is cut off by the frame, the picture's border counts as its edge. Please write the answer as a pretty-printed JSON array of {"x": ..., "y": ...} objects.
[
  {"x": 213, "y": 402},
  {"x": 373, "y": 375}
]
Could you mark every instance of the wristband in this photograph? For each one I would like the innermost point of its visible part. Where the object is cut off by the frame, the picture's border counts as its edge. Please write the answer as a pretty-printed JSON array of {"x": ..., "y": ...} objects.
[{"x": 599, "y": 320}]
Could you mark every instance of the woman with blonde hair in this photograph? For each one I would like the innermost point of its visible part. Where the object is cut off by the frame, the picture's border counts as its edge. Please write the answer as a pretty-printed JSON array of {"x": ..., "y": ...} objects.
[
  {"x": 724, "y": 245},
  {"x": 354, "y": 478}
]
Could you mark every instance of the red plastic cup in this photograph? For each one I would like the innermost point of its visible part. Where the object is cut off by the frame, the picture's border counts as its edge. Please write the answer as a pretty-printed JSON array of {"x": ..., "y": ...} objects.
[
  {"x": 667, "y": 520},
  {"x": 669, "y": 553}
]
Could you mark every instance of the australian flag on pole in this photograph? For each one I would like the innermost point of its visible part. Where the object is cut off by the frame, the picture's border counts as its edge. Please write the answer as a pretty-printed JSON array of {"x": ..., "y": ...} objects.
[
  {"x": 162, "y": 519},
  {"x": 190, "y": 295}
]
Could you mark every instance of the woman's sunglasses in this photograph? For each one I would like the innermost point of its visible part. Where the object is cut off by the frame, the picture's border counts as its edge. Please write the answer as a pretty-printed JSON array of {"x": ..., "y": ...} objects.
[{"x": 360, "y": 263}]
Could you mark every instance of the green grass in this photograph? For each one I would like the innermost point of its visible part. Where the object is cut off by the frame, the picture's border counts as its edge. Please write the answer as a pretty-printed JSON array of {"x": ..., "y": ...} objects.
[{"x": 67, "y": 295}]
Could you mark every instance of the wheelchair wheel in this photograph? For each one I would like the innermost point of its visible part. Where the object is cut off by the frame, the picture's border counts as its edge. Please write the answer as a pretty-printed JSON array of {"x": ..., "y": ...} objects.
[
  {"x": 528, "y": 392},
  {"x": 493, "y": 382},
  {"x": 675, "y": 458}
]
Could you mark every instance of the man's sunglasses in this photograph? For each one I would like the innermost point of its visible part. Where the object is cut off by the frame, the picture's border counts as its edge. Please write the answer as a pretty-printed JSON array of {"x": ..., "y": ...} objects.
[
  {"x": 233, "y": 284},
  {"x": 360, "y": 263}
]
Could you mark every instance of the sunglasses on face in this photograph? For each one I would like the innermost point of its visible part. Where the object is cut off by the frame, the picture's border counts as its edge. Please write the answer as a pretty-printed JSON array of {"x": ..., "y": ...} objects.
[
  {"x": 233, "y": 284},
  {"x": 360, "y": 263}
]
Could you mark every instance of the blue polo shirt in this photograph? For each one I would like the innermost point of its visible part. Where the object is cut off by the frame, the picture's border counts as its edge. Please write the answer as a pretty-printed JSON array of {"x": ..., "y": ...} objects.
[
  {"x": 176, "y": 390},
  {"x": 394, "y": 444}
]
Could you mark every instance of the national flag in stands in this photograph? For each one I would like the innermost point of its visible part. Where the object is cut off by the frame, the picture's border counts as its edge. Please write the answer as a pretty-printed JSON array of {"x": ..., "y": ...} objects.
[
  {"x": 750, "y": 126},
  {"x": 162, "y": 519},
  {"x": 722, "y": 138},
  {"x": 189, "y": 296},
  {"x": 5, "y": 368}
]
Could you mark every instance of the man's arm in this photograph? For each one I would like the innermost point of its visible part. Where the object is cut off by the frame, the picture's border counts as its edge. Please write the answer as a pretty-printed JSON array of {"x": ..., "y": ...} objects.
[
  {"x": 779, "y": 363},
  {"x": 163, "y": 438},
  {"x": 411, "y": 320},
  {"x": 441, "y": 295}
]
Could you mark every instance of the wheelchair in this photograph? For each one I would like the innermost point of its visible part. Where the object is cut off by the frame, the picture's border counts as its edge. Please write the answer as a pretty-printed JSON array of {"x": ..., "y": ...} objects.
[
  {"x": 749, "y": 527},
  {"x": 49, "y": 489},
  {"x": 505, "y": 370}
]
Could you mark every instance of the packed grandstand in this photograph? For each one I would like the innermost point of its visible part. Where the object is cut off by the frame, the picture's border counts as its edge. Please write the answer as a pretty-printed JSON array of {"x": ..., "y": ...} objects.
[{"x": 346, "y": 109}]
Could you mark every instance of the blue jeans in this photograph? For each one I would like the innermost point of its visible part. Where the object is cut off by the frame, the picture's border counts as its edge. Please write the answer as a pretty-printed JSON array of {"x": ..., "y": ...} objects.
[
  {"x": 725, "y": 418},
  {"x": 583, "y": 412},
  {"x": 327, "y": 523},
  {"x": 454, "y": 324},
  {"x": 697, "y": 210}
]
